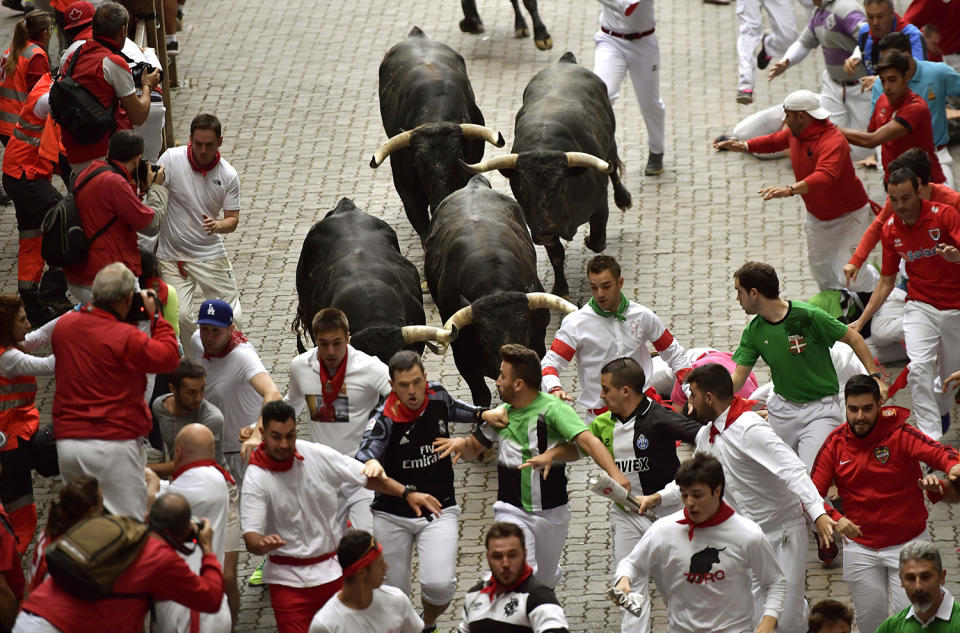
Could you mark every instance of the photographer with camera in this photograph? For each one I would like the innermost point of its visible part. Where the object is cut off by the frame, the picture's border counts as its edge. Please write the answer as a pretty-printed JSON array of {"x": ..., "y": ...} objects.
[
  {"x": 109, "y": 206},
  {"x": 100, "y": 418}
]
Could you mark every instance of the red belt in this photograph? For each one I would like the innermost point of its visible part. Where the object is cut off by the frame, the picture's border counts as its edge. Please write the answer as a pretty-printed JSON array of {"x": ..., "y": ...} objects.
[
  {"x": 293, "y": 561},
  {"x": 627, "y": 36}
]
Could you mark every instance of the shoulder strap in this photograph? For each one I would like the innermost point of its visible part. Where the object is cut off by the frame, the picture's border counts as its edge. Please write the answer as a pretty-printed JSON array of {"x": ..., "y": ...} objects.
[
  {"x": 73, "y": 60},
  {"x": 96, "y": 172}
]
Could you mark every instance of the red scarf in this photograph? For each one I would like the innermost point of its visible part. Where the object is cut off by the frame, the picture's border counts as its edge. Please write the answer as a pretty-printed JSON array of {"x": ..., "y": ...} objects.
[
  {"x": 236, "y": 337},
  {"x": 193, "y": 162},
  {"x": 160, "y": 286},
  {"x": 399, "y": 412},
  {"x": 721, "y": 515},
  {"x": 331, "y": 387},
  {"x": 738, "y": 407},
  {"x": 493, "y": 588},
  {"x": 204, "y": 462},
  {"x": 261, "y": 459}
]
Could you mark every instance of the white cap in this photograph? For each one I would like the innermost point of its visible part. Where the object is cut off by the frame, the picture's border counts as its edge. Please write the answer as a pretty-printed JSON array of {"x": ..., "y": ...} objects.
[{"x": 805, "y": 101}]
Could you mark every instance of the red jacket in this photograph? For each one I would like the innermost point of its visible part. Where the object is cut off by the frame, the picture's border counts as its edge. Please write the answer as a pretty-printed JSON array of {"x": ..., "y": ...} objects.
[
  {"x": 159, "y": 572},
  {"x": 877, "y": 476},
  {"x": 10, "y": 567},
  {"x": 101, "y": 374},
  {"x": 820, "y": 158},
  {"x": 107, "y": 196}
]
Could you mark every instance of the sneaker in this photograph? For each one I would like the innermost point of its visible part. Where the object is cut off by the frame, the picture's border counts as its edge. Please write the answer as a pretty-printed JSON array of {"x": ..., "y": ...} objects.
[
  {"x": 744, "y": 97},
  {"x": 430, "y": 629},
  {"x": 256, "y": 578},
  {"x": 173, "y": 47},
  {"x": 763, "y": 60},
  {"x": 722, "y": 138},
  {"x": 654, "y": 165}
]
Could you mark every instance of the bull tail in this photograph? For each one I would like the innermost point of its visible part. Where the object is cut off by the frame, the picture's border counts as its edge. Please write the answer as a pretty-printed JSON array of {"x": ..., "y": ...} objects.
[
  {"x": 621, "y": 196},
  {"x": 297, "y": 328}
]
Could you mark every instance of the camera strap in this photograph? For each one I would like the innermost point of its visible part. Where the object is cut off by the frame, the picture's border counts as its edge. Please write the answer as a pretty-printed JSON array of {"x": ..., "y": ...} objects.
[{"x": 79, "y": 185}]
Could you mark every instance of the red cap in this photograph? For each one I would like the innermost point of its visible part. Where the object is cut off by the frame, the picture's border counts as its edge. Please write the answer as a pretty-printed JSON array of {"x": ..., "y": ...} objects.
[{"x": 78, "y": 14}]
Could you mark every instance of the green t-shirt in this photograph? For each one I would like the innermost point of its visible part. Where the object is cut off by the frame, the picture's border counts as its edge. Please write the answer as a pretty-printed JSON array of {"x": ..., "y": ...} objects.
[
  {"x": 899, "y": 623},
  {"x": 532, "y": 430},
  {"x": 797, "y": 350}
]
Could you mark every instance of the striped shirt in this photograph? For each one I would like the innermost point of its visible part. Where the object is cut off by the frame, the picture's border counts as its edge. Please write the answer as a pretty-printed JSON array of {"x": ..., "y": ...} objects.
[
  {"x": 529, "y": 608},
  {"x": 834, "y": 25}
]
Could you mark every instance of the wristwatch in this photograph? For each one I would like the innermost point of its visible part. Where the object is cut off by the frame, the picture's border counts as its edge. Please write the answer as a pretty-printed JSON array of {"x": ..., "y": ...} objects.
[{"x": 407, "y": 490}]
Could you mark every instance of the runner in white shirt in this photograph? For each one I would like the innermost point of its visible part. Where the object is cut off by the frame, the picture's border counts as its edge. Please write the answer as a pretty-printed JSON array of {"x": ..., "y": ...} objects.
[
  {"x": 765, "y": 482},
  {"x": 205, "y": 484},
  {"x": 610, "y": 326},
  {"x": 365, "y": 603},
  {"x": 288, "y": 511},
  {"x": 190, "y": 247},
  {"x": 704, "y": 560}
]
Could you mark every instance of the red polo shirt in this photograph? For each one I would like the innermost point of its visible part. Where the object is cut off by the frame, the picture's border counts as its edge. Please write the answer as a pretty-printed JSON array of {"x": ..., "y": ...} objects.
[
  {"x": 913, "y": 114},
  {"x": 933, "y": 279}
]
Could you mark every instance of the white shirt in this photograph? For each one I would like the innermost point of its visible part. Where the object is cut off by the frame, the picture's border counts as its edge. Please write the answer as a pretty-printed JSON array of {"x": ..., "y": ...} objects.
[
  {"x": 706, "y": 581},
  {"x": 205, "y": 488},
  {"x": 300, "y": 505},
  {"x": 765, "y": 480},
  {"x": 229, "y": 388},
  {"x": 595, "y": 340},
  {"x": 390, "y": 612},
  {"x": 14, "y": 362},
  {"x": 366, "y": 382},
  {"x": 193, "y": 195},
  {"x": 613, "y": 16}
]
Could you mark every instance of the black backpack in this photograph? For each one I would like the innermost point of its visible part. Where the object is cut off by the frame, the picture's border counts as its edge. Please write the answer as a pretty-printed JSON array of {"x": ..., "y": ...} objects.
[
  {"x": 77, "y": 110},
  {"x": 64, "y": 242}
]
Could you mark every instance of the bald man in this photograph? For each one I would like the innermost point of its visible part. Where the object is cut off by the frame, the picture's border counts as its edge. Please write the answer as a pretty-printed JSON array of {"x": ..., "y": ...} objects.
[{"x": 206, "y": 485}]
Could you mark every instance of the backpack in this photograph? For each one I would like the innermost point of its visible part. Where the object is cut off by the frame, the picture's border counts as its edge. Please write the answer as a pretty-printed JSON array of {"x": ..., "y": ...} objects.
[
  {"x": 87, "y": 560},
  {"x": 77, "y": 110},
  {"x": 64, "y": 242}
]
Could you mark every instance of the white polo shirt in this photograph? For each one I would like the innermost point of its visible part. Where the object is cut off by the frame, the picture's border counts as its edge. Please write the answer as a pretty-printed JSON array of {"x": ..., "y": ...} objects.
[
  {"x": 390, "y": 612},
  {"x": 300, "y": 505},
  {"x": 193, "y": 195},
  {"x": 366, "y": 383}
]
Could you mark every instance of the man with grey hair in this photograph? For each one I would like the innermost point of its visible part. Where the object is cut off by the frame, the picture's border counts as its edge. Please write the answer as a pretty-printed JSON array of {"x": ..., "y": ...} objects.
[
  {"x": 932, "y": 608},
  {"x": 100, "y": 418}
]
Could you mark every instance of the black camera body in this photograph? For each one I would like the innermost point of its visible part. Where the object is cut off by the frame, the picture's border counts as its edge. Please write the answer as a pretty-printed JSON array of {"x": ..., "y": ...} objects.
[
  {"x": 138, "y": 312},
  {"x": 138, "y": 70},
  {"x": 142, "y": 168}
]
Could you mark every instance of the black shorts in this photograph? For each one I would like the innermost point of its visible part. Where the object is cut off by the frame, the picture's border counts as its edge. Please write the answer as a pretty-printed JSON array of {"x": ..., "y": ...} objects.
[{"x": 31, "y": 199}]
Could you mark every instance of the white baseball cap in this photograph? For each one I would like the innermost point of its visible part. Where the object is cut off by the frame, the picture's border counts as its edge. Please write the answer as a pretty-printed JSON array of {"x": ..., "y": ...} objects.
[{"x": 805, "y": 101}]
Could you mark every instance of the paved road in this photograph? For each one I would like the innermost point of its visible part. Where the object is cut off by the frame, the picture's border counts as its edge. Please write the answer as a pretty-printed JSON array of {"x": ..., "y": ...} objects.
[{"x": 295, "y": 85}]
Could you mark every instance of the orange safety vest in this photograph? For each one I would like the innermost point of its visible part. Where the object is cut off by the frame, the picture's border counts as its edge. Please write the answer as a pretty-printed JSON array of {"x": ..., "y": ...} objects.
[
  {"x": 19, "y": 417},
  {"x": 14, "y": 89},
  {"x": 23, "y": 155}
]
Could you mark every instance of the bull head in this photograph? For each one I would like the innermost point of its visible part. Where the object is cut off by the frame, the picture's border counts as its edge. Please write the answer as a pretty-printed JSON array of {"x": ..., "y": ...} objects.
[{"x": 403, "y": 139}]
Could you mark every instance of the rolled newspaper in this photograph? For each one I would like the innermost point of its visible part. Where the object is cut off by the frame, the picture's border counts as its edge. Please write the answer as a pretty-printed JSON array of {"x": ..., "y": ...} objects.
[
  {"x": 632, "y": 602},
  {"x": 604, "y": 485}
]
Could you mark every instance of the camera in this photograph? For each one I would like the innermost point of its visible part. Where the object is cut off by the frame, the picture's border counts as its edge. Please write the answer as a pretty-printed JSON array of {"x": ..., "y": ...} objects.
[
  {"x": 138, "y": 312},
  {"x": 197, "y": 528},
  {"x": 143, "y": 168},
  {"x": 139, "y": 69}
]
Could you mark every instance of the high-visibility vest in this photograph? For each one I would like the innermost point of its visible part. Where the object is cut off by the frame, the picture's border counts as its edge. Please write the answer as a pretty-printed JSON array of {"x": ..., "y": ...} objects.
[
  {"x": 18, "y": 410},
  {"x": 22, "y": 155},
  {"x": 14, "y": 89}
]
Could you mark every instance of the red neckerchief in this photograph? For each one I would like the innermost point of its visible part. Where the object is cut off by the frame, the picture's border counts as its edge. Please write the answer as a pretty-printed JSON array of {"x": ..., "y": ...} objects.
[
  {"x": 721, "y": 515},
  {"x": 399, "y": 412},
  {"x": 738, "y": 407},
  {"x": 331, "y": 387},
  {"x": 204, "y": 462},
  {"x": 236, "y": 337},
  {"x": 193, "y": 163},
  {"x": 494, "y": 588},
  {"x": 158, "y": 284},
  {"x": 261, "y": 459}
]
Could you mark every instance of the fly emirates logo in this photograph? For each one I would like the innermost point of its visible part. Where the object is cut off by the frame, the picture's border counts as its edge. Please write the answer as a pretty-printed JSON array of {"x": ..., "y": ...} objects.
[{"x": 427, "y": 458}]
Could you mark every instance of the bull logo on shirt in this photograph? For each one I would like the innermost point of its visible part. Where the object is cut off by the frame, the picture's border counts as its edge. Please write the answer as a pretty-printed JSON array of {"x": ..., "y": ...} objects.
[
  {"x": 882, "y": 453},
  {"x": 701, "y": 566},
  {"x": 796, "y": 344},
  {"x": 511, "y": 607},
  {"x": 934, "y": 234}
]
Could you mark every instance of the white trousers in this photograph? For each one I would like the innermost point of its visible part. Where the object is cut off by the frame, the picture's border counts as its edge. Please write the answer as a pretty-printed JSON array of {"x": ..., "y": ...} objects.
[
  {"x": 873, "y": 578},
  {"x": 790, "y": 549},
  {"x": 30, "y": 623},
  {"x": 437, "y": 544},
  {"x": 616, "y": 56},
  {"x": 354, "y": 511},
  {"x": 118, "y": 466},
  {"x": 783, "y": 25},
  {"x": 933, "y": 345},
  {"x": 173, "y": 617},
  {"x": 805, "y": 426},
  {"x": 849, "y": 107},
  {"x": 946, "y": 162},
  {"x": 545, "y": 532},
  {"x": 886, "y": 329},
  {"x": 830, "y": 243},
  {"x": 216, "y": 281},
  {"x": 766, "y": 121}
]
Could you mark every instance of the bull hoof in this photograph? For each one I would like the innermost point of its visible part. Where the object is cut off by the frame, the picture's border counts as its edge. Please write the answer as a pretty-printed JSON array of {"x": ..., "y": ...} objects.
[
  {"x": 424, "y": 288},
  {"x": 544, "y": 44},
  {"x": 596, "y": 246},
  {"x": 469, "y": 25},
  {"x": 521, "y": 33}
]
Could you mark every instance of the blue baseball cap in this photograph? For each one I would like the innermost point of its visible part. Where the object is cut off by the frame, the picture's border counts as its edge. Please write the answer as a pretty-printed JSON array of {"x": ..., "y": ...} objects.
[{"x": 215, "y": 312}]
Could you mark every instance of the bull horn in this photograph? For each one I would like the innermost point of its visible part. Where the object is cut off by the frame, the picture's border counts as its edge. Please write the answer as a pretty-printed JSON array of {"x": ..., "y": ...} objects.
[
  {"x": 582, "y": 159},
  {"x": 423, "y": 333},
  {"x": 473, "y": 130},
  {"x": 506, "y": 161},
  {"x": 391, "y": 145},
  {"x": 538, "y": 300},
  {"x": 459, "y": 320}
]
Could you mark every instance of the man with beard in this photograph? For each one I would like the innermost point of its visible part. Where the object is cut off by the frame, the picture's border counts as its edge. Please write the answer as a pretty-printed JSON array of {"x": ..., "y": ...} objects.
[
  {"x": 874, "y": 460},
  {"x": 932, "y": 608},
  {"x": 765, "y": 482}
]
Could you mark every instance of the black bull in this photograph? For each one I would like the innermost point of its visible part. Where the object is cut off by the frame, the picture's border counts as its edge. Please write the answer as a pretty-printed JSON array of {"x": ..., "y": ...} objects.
[{"x": 563, "y": 152}]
